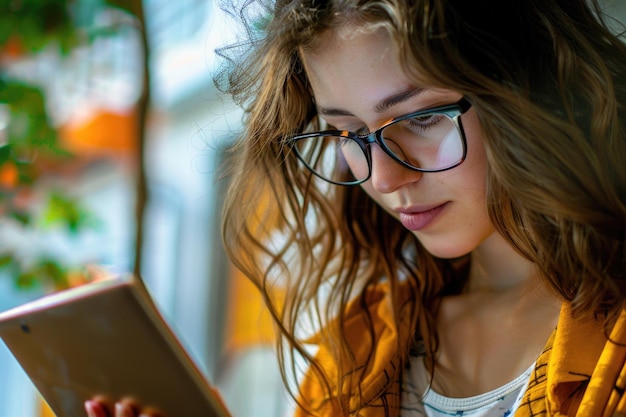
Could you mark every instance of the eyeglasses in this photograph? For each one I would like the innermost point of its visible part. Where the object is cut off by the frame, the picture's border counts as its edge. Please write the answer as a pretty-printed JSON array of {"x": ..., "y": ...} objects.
[{"x": 429, "y": 140}]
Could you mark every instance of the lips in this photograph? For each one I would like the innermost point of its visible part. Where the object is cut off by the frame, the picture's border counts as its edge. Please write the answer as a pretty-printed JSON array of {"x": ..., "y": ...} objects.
[{"x": 418, "y": 218}]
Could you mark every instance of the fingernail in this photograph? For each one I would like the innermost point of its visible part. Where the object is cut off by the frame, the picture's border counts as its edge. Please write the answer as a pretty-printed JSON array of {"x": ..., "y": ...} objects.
[
  {"x": 93, "y": 409},
  {"x": 123, "y": 410},
  {"x": 89, "y": 409}
]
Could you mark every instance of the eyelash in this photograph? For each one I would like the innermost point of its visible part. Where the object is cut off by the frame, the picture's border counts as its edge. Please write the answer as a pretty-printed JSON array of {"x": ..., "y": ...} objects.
[
  {"x": 414, "y": 124},
  {"x": 362, "y": 131},
  {"x": 431, "y": 121}
]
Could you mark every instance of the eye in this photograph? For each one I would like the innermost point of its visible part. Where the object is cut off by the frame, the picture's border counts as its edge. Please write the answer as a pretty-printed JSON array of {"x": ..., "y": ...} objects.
[
  {"x": 423, "y": 122},
  {"x": 362, "y": 131}
]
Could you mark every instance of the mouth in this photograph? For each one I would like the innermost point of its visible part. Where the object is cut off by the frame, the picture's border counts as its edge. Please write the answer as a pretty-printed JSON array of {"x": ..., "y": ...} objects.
[{"x": 418, "y": 218}]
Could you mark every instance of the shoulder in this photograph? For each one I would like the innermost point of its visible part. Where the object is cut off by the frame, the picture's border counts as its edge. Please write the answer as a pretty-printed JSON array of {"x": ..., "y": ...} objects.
[
  {"x": 585, "y": 366},
  {"x": 375, "y": 331}
]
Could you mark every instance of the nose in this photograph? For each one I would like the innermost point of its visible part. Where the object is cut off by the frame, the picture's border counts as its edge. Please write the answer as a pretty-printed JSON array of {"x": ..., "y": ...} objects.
[{"x": 387, "y": 174}]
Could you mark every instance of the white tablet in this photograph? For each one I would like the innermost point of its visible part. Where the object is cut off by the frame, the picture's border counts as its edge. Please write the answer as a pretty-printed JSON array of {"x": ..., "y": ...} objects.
[{"x": 106, "y": 339}]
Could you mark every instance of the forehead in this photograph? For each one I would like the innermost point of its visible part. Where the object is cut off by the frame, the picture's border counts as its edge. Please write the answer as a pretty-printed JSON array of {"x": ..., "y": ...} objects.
[{"x": 353, "y": 65}]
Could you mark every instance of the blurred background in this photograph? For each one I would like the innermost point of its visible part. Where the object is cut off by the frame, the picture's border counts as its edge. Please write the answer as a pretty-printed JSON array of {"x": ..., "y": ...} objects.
[{"x": 112, "y": 139}]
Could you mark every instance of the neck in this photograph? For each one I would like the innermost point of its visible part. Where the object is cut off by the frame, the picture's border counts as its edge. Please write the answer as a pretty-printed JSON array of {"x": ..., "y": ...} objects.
[{"x": 497, "y": 267}]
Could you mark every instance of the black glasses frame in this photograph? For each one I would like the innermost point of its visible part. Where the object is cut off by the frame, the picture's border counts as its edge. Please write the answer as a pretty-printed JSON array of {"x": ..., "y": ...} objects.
[{"x": 453, "y": 111}]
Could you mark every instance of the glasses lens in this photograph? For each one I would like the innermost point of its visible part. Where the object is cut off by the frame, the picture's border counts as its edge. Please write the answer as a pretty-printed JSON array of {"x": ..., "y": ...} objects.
[
  {"x": 333, "y": 158},
  {"x": 429, "y": 141}
]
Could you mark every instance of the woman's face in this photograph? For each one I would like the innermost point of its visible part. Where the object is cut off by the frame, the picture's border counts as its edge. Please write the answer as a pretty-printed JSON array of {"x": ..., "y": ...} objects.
[{"x": 358, "y": 85}]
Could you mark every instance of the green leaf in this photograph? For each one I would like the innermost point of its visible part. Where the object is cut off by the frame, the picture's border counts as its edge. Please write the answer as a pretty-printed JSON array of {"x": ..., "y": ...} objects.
[
  {"x": 29, "y": 130},
  {"x": 67, "y": 212},
  {"x": 45, "y": 271},
  {"x": 22, "y": 217},
  {"x": 5, "y": 153},
  {"x": 52, "y": 272},
  {"x": 5, "y": 261},
  {"x": 37, "y": 24}
]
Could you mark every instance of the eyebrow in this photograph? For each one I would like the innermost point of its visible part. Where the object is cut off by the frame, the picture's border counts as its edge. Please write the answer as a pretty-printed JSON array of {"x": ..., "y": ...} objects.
[
  {"x": 388, "y": 102},
  {"x": 400, "y": 97}
]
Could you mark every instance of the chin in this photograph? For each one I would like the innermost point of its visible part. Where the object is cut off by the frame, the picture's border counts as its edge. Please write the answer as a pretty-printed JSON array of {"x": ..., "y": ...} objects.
[
  {"x": 448, "y": 254},
  {"x": 446, "y": 248}
]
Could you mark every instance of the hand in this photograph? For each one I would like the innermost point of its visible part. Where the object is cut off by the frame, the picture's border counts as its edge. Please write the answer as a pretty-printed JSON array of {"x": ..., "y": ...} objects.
[{"x": 96, "y": 408}]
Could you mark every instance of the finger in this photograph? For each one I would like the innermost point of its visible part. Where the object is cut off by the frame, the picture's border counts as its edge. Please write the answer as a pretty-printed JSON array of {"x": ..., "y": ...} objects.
[
  {"x": 124, "y": 410},
  {"x": 150, "y": 412},
  {"x": 94, "y": 409}
]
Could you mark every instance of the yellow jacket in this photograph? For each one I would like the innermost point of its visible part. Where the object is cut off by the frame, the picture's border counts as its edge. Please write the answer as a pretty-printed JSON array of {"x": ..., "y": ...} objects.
[{"x": 580, "y": 373}]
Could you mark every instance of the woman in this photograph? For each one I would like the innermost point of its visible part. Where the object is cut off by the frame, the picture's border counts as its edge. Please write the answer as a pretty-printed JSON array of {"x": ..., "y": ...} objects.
[{"x": 446, "y": 204}]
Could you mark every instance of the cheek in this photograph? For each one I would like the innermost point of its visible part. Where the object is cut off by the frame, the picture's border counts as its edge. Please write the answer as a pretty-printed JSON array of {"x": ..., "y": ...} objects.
[
  {"x": 473, "y": 134},
  {"x": 354, "y": 159},
  {"x": 378, "y": 198},
  {"x": 475, "y": 165},
  {"x": 367, "y": 187}
]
